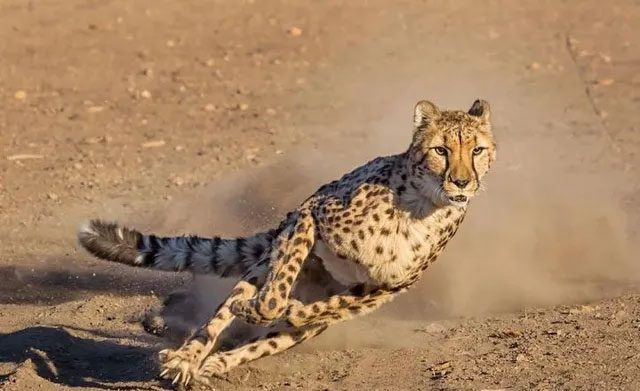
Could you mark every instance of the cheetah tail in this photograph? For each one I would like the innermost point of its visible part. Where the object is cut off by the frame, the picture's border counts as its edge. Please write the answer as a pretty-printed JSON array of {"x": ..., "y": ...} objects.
[{"x": 222, "y": 257}]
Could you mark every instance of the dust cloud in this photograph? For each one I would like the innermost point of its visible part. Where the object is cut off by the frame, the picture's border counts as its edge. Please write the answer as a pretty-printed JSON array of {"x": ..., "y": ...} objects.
[
  {"x": 536, "y": 236},
  {"x": 549, "y": 229}
]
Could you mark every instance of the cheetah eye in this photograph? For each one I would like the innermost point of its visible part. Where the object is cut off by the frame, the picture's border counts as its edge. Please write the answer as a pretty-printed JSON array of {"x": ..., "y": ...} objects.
[
  {"x": 442, "y": 151},
  {"x": 478, "y": 150}
]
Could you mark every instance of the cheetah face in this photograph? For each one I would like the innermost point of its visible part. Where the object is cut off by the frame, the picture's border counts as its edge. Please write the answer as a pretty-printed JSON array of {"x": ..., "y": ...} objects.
[{"x": 451, "y": 151}]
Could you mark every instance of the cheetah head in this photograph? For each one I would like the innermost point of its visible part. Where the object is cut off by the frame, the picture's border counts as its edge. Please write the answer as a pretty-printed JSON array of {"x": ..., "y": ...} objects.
[{"x": 451, "y": 151}]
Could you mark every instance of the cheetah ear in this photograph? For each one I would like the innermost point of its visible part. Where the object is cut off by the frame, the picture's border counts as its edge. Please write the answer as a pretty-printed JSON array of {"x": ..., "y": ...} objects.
[
  {"x": 480, "y": 108},
  {"x": 424, "y": 113}
]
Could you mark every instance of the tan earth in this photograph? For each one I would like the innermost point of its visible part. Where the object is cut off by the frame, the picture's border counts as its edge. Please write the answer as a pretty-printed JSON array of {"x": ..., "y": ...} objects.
[{"x": 216, "y": 117}]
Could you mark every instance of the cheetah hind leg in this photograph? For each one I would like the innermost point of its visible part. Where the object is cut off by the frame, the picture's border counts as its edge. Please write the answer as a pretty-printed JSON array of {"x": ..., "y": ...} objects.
[
  {"x": 182, "y": 365},
  {"x": 273, "y": 343},
  {"x": 286, "y": 260}
]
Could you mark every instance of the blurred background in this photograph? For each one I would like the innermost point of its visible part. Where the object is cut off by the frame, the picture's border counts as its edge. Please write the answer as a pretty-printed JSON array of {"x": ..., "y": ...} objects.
[{"x": 215, "y": 117}]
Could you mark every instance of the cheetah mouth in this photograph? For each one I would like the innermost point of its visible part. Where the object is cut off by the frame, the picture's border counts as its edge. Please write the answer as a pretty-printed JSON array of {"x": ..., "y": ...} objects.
[{"x": 459, "y": 198}]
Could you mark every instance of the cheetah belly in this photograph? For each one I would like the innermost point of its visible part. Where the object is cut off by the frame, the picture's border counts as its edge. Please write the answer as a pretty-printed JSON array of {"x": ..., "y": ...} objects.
[{"x": 346, "y": 272}]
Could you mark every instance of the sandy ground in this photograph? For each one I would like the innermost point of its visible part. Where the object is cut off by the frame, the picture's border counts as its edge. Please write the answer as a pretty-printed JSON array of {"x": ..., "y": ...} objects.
[{"x": 215, "y": 117}]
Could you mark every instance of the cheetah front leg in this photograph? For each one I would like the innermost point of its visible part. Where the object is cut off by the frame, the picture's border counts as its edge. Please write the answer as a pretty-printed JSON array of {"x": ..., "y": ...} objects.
[
  {"x": 273, "y": 343},
  {"x": 182, "y": 365},
  {"x": 292, "y": 248},
  {"x": 338, "y": 308}
]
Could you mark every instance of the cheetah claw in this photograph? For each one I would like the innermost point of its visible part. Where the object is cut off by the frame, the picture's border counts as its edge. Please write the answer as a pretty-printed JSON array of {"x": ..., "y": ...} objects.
[{"x": 177, "y": 366}]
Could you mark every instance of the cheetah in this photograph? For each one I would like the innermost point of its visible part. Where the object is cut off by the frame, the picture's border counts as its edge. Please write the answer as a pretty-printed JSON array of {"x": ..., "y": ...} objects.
[{"x": 373, "y": 232}]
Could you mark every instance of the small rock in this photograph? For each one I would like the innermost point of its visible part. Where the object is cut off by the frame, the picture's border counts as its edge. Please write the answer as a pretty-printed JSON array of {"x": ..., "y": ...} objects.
[
  {"x": 251, "y": 153},
  {"x": 243, "y": 106},
  {"x": 98, "y": 139},
  {"x": 145, "y": 94},
  {"x": 171, "y": 43},
  {"x": 178, "y": 181},
  {"x": 521, "y": 357},
  {"x": 153, "y": 144},
  {"x": 20, "y": 95},
  {"x": 584, "y": 53},
  {"x": 92, "y": 140},
  {"x": 52, "y": 196},
  {"x": 271, "y": 111},
  {"x": 534, "y": 66},
  {"x": 605, "y": 58},
  {"x": 95, "y": 109},
  {"x": 605, "y": 82},
  {"x": 179, "y": 148},
  {"x": 24, "y": 156},
  {"x": 295, "y": 31},
  {"x": 209, "y": 107}
]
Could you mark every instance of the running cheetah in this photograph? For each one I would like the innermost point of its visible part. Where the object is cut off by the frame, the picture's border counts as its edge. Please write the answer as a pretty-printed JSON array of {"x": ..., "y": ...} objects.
[{"x": 373, "y": 232}]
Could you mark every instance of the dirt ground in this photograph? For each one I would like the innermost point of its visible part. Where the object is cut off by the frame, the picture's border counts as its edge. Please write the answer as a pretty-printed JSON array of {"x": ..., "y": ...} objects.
[{"x": 214, "y": 117}]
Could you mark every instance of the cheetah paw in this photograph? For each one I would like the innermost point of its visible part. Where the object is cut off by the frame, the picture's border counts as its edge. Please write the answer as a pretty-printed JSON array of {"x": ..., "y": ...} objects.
[
  {"x": 214, "y": 365},
  {"x": 180, "y": 366},
  {"x": 294, "y": 315}
]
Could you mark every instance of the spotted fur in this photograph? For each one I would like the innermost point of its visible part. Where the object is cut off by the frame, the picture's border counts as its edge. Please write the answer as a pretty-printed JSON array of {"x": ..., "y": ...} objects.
[{"x": 375, "y": 231}]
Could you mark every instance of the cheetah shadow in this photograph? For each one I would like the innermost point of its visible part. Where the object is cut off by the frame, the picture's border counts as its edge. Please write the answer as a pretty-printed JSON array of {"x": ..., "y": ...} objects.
[
  {"x": 67, "y": 280},
  {"x": 60, "y": 357}
]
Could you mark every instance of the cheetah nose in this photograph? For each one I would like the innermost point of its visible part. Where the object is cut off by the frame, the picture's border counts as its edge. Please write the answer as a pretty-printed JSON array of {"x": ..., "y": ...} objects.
[{"x": 461, "y": 183}]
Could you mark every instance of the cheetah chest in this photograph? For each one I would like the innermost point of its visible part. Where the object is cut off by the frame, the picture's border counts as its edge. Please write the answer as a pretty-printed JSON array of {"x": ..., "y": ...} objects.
[{"x": 387, "y": 256}]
